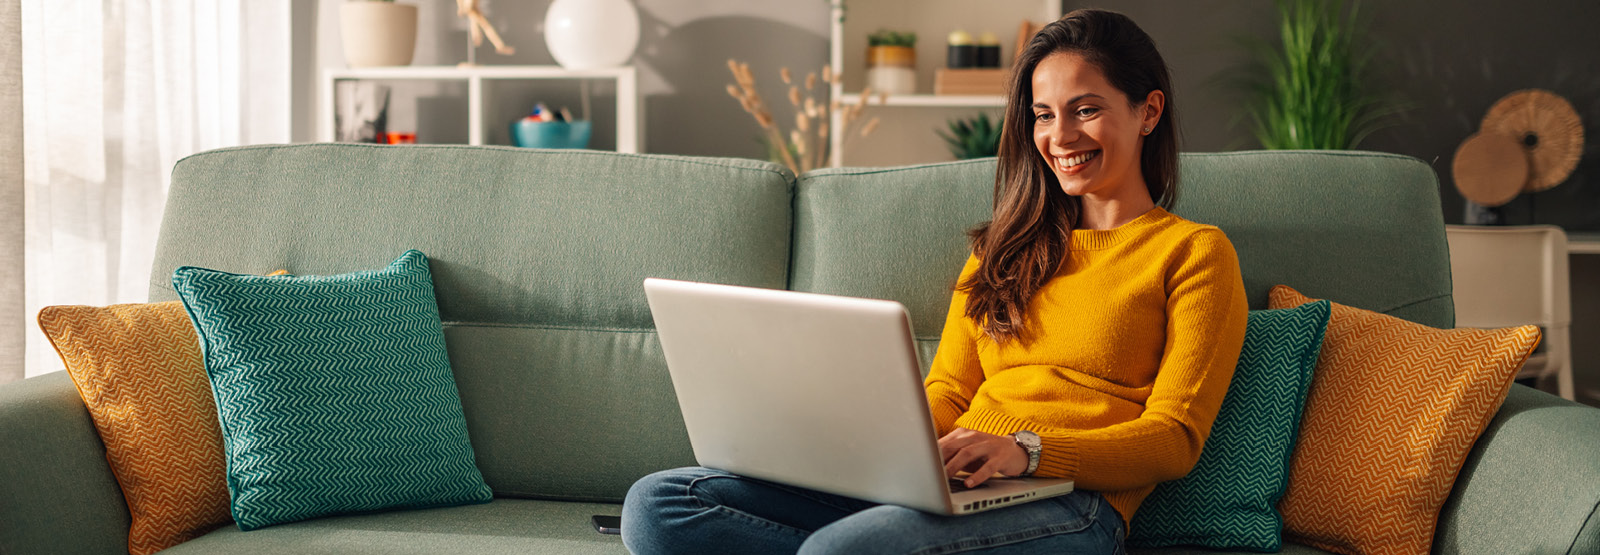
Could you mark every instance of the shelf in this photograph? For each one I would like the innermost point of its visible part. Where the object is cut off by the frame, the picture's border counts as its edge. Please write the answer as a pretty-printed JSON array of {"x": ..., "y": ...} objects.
[
  {"x": 481, "y": 72},
  {"x": 908, "y": 133},
  {"x": 929, "y": 100},
  {"x": 629, "y": 119}
]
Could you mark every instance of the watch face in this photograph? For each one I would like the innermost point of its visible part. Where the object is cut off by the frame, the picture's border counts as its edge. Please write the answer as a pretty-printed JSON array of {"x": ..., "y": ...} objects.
[{"x": 1028, "y": 439}]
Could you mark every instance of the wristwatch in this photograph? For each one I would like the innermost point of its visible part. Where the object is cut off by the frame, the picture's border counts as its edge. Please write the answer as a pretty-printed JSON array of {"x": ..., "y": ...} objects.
[{"x": 1029, "y": 442}]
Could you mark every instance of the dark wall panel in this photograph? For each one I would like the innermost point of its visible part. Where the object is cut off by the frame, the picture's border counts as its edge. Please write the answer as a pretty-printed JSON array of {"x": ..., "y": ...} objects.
[{"x": 1451, "y": 60}]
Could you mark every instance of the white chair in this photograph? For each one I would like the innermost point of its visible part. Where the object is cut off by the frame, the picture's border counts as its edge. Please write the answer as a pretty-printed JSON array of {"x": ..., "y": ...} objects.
[{"x": 1515, "y": 275}]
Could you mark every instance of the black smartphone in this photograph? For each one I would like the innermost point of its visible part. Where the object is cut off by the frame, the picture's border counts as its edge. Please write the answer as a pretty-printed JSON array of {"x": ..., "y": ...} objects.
[{"x": 606, "y": 524}]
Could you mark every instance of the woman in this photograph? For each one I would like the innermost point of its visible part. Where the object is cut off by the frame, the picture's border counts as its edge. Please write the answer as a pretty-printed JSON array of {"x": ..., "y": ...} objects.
[{"x": 1091, "y": 335}]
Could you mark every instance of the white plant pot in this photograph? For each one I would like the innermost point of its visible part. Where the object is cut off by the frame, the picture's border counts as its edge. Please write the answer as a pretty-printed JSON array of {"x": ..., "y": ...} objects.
[
  {"x": 589, "y": 34},
  {"x": 892, "y": 80},
  {"x": 378, "y": 33}
]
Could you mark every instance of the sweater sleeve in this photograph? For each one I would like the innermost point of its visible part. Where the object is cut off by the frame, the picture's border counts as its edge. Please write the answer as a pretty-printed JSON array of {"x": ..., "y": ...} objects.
[
  {"x": 955, "y": 373},
  {"x": 1206, "y": 316}
]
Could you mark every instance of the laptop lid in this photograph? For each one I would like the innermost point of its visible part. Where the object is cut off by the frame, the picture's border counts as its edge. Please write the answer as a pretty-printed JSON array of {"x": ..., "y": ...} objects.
[{"x": 817, "y": 391}]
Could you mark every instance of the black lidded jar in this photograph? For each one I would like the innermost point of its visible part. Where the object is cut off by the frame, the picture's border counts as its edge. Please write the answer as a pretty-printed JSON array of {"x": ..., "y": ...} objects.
[
  {"x": 988, "y": 50},
  {"x": 961, "y": 53}
]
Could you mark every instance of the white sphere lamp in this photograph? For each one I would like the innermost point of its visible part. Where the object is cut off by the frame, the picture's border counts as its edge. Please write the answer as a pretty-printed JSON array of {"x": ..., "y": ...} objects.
[{"x": 590, "y": 34}]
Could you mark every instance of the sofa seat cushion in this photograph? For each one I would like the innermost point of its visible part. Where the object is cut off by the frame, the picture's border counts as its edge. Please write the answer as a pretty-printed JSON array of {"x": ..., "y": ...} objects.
[
  {"x": 509, "y": 526},
  {"x": 1288, "y": 549}
]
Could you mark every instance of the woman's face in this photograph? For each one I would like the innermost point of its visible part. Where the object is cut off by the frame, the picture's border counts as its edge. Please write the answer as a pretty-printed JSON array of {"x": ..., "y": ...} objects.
[{"x": 1085, "y": 129}]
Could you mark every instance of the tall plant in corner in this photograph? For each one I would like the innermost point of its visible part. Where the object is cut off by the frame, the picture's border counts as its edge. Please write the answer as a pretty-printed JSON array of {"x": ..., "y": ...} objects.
[{"x": 1312, "y": 90}]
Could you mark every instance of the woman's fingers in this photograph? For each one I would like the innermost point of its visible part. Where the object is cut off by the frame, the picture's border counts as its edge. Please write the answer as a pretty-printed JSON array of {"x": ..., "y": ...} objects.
[
  {"x": 972, "y": 458},
  {"x": 952, "y": 442},
  {"x": 989, "y": 468},
  {"x": 980, "y": 453},
  {"x": 960, "y": 460}
]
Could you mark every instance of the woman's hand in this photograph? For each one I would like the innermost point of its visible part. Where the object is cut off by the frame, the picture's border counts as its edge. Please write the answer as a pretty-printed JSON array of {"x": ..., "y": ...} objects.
[{"x": 982, "y": 454}]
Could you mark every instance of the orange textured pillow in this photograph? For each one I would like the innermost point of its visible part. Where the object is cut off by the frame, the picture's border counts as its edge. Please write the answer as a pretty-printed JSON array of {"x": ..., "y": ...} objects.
[
  {"x": 139, "y": 370},
  {"x": 1394, "y": 408}
]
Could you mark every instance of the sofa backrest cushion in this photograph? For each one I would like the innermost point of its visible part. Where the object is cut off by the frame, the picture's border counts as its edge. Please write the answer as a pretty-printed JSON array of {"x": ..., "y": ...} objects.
[
  {"x": 890, "y": 233},
  {"x": 1363, "y": 229},
  {"x": 538, "y": 260},
  {"x": 1359, "y": 228}
]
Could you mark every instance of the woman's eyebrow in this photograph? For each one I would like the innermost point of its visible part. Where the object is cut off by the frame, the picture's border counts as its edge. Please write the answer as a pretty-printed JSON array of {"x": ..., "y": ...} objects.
[{"x": 1074, "y": 100}]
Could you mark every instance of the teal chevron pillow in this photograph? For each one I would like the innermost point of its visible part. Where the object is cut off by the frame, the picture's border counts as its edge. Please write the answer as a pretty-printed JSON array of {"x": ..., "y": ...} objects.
[
  {"x": 1230, "y": 499},
  {"x": 334, "y": 393}
]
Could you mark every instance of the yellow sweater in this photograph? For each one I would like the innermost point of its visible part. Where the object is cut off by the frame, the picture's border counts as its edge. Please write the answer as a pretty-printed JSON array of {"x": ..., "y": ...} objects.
[{"x": 1128, "y": 352}]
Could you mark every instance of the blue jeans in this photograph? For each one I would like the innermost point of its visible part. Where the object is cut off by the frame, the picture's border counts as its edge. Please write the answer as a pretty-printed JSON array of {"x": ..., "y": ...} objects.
[{"x": 700, "y": 510}]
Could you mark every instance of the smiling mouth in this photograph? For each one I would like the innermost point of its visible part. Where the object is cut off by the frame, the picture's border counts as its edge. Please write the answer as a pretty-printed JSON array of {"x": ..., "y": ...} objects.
[{"x": 1075, "y": 163}]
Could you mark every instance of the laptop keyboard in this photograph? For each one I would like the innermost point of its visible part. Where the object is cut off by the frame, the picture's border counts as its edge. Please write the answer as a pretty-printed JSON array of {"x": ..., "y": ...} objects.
[{"x": 958, "y": 485}]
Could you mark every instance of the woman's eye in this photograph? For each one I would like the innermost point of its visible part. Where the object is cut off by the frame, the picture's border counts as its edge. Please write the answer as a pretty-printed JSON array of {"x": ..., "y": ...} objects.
[
  {"x": 1085, "y": 112},
  {"x": 1041, "y": 117}
]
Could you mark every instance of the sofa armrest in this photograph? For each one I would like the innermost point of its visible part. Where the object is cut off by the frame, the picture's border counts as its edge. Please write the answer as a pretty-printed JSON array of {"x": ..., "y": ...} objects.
[
  {"x": 1531, "y": 483},
  {"x": 57, "y": 493}
]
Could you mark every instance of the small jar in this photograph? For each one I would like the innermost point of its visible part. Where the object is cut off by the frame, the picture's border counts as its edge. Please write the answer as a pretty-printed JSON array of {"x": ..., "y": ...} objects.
[
  {"x": 988, "y": 50},
  {"x": 960, "y": 53}
]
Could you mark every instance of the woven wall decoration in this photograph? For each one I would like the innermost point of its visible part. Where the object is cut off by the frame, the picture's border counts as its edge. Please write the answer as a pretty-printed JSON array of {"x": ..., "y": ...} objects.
[
  {"x": 1490, "y": 168},
  {"x": 1547, "y": 127}
]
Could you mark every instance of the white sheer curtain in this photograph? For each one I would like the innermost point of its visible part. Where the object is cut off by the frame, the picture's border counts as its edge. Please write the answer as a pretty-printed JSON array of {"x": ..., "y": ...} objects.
[
  {"x": 114, "y": 93},
  {"x": 11, "y": 231}
]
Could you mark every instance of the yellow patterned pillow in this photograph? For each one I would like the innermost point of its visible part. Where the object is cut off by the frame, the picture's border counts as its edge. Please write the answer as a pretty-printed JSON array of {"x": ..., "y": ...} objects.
[
  {"x": 139, "y": 370},
  {"x": 1395, "y": 407}
]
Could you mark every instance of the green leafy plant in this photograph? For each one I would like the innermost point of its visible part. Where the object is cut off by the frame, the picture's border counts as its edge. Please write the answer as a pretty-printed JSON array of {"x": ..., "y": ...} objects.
[
  {"x": 885, "y": 37},
  {"x": 974, "y": 137},
  {"x": 1311, "y": 90}
]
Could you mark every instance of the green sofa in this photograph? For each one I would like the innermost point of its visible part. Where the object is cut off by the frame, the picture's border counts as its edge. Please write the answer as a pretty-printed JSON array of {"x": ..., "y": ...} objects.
[{"x": 538, "y": 258}]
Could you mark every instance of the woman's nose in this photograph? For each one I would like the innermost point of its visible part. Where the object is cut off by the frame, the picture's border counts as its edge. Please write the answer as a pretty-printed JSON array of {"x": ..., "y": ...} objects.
[{"x": 1062, "y": 132}]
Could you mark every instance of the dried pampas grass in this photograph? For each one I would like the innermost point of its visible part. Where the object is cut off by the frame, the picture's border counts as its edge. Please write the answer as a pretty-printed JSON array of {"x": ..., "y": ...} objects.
[{"x": 806, "y": 147}]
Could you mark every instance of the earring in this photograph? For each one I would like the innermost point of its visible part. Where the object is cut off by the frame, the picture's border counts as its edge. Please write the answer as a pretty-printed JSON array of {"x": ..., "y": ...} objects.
[{"x": 1147, "y": 130}]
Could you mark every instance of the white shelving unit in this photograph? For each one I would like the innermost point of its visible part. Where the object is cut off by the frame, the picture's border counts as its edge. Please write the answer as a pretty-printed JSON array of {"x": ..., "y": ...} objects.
[
  {"x": 931, "y": 100},
  {"x": 917, "y": 114},
  {"x": 629, "y": 129}
]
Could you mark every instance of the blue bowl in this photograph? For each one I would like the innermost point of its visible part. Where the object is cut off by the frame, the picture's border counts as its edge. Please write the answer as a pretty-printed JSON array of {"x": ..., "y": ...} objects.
[{"x": 550, "y": 134}]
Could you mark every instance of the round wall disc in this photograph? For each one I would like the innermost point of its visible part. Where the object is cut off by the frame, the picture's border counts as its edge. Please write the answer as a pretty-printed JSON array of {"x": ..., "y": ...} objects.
[
  {"x": 1490, "y": 168},
  {"x": 1546, "y": 127}
]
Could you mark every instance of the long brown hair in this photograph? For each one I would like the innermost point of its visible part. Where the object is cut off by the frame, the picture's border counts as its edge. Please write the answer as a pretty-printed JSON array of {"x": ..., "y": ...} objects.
[{"x": 1025, "y": 243}]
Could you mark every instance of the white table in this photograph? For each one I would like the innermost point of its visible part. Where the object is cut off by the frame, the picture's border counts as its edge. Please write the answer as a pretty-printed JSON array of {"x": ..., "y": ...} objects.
[{"x": 1583, "y": 242}]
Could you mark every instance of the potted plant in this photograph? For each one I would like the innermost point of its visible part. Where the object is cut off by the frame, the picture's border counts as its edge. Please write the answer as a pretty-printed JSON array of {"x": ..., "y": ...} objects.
[
  {"x": 378, "y": 32},
  {"x": 1313, "y": 90},
  {"x": 892, "y": 48},
  {"x": 892, "y": 61},
  {"x": 974, "y": 137}
]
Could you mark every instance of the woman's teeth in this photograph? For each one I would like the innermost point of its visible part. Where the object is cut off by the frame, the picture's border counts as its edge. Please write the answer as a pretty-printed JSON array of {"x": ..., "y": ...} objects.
[{"x": 1079, "y": 159}]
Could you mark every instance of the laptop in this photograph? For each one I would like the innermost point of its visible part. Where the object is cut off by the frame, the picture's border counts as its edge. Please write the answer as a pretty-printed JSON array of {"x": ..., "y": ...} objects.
[{"x": 816, "y": 391}]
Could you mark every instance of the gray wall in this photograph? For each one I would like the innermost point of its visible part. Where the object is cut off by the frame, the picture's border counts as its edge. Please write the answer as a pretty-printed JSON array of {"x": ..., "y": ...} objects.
[
  {"x": 1452, "y": 60},
  {"x": 682, "y": 59}
]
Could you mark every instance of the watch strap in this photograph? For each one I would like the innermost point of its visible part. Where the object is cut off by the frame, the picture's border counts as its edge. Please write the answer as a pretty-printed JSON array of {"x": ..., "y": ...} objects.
[{"x": 1032, "y": 447}]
